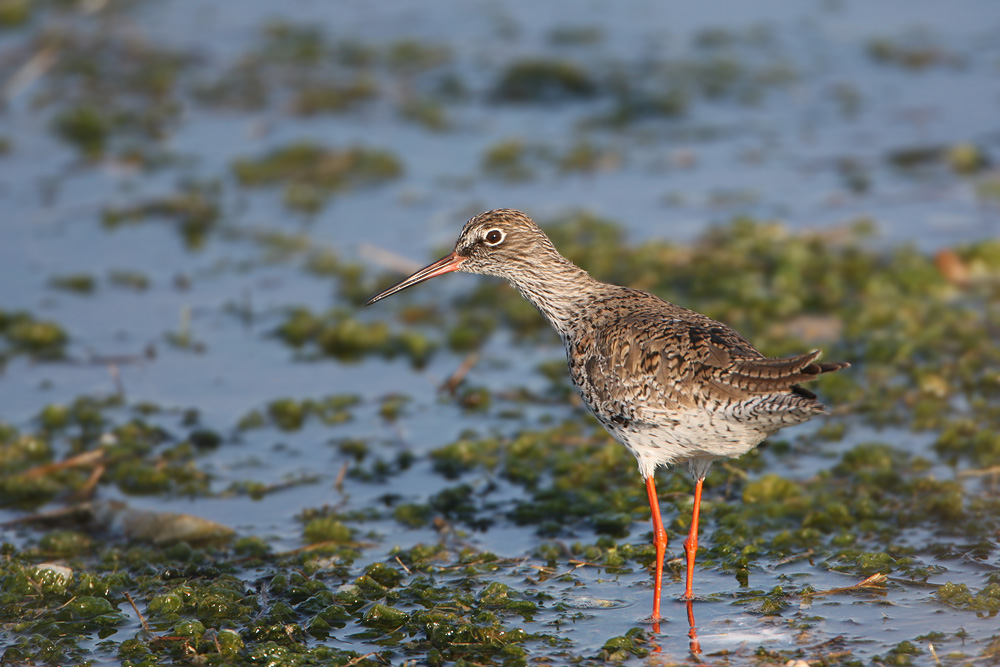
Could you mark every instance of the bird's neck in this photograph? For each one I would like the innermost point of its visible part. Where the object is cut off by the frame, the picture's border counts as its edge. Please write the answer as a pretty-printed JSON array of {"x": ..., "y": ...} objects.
[{"x": 559, "y": 289}]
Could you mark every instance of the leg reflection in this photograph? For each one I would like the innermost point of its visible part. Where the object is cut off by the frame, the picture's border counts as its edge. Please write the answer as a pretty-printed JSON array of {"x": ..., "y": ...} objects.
[
  {"x": 654, "y": 645},
  {"x": 693, "y": 632}
]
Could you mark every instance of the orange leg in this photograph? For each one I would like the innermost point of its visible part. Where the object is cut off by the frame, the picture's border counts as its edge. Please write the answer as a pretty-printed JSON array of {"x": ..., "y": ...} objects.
[
  {"x": 691, "y": 543},
  {"x": 660, "y": 542}
]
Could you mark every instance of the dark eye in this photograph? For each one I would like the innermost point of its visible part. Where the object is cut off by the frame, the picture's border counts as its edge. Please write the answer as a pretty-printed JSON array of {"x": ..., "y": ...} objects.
[{"x": 494, "y": 236}]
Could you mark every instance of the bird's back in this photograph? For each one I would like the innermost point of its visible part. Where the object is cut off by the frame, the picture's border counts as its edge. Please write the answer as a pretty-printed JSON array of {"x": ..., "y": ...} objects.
[{"x": 666, "y": 378}]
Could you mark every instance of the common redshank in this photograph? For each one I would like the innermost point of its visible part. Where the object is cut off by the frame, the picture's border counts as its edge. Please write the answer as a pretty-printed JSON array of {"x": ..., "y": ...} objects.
[{"x": 670, "y": 384}]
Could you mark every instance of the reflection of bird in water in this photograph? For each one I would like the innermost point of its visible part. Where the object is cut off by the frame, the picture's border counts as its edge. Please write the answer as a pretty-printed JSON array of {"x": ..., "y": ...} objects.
[
  {"x": 695, "y": 645},
  {"x": 672, "y": 385}
]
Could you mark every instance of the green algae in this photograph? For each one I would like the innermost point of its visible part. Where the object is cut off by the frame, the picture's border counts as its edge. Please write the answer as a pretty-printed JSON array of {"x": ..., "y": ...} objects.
[
  {"x": 194, "y": 210},
  {"x": 96, "y": 436},
  {"x": 509, "y": 160},
  {"x": 632, "y": 644},
  {"x": 512, "y": 160},
  {"x": 23, "y": 334},
  {"x": 984, "y": 602},
  {"x": 288, "y": 414},
  {"x": 335, "y": 98},
  {"x": 339, "y": 334},
  {"x": 312, "y": 173},
  {"x": 86, "y": 128},
  {"x": 127, "y": 279},
  {"x": 193, "y": 605},
  {"x": 326, "y": 529},
  {"x": 14, "y": 13},
  {"x": 543, "y": 81},
  {"x": 912, "y": 51},
  {"x": 80, "y": 283}
]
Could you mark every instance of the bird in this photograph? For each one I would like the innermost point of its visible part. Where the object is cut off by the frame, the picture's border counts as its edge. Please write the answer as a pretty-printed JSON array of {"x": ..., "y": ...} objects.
[{"x": 672, "y": 385}]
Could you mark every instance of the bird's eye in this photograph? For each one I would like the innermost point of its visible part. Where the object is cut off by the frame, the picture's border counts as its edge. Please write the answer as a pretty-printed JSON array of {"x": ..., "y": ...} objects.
[{"x": 494, "y": 237}]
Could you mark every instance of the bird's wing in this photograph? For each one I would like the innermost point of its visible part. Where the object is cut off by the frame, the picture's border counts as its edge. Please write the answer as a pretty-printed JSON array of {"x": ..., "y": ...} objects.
[{"x": 650, "y": 361}]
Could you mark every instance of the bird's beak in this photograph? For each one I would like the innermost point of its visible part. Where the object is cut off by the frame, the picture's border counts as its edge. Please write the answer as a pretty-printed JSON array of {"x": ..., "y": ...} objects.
[{"x": 444, "y": 265}]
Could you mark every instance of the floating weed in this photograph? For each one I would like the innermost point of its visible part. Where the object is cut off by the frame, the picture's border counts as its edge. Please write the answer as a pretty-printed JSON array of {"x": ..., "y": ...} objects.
[
  {"x": 22, "y": 333},
  {"x": 408, "y": 56},
  {"x": 311, "y": 173},
  {"x": 634, "y": 643},
  {"x": 80, "y": 283},
  {"x": 340, "y": 335},
  {"x": 586, "y": 157},
  {"x": 335, "y": 98},
  {"x": 544, "y": 81},
  {"x": 900, "y": 654},
  {"x": 412, "y": 515},
  {"x": 428, "y": 113},
  {"x": 964, "y": 159},
  {"x": 985, "y": 602},
  {"x": 289, "y": 414},
  {"x": 133, "y": 280},
  {"x": 510, "y": 160},
  {"x": 392, "y": 406},
  {"x": 112, "y": 89},
  {"x": 95, "y": 444},
  {"x": 326, "y": 529},
  {"x": 914, "y": 51},
  {"x": 14, "y": 13},
  {"x": 86, "y": 128},
  {"x": 195, "y": 211}
]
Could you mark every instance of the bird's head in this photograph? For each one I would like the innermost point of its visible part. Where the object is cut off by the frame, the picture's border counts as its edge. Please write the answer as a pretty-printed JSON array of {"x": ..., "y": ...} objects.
[{"x": 502, "y": 242}]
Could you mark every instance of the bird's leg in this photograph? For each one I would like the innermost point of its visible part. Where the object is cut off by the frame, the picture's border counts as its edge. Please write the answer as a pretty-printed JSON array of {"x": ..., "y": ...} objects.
[
  {"x": 660, "y": 542},
  {"x": 691, "y": 543}
]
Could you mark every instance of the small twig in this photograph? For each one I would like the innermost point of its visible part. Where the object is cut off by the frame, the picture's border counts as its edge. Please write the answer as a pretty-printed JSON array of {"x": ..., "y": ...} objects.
[
  {"x": 116, "y": 377},
  {"x": 32, "y": 70},
  {"x": 733, "y": 470},
  {"x": 338, "y": 483},
  {"x": 982, "y": 472},
  {"x": 387, "y": 259},
  {"x": 87, "y": 491},
  {"x": 403, "y": 565},
  {"x": 451, "y": 384},
  {"x": 875, "y": 581},
  {"x": 51, "y": 516},
  {"x": 142, "y": 619},
  {"x": 92, "y": 457},
  {"x": 66, "y": 604},
  {"x": 354, "y": 661},
  {"x": 794, "y": 557}
]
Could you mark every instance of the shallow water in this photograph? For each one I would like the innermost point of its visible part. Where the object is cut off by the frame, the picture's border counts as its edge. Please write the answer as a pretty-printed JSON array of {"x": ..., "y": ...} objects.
[{"x": 814, "y": 151}]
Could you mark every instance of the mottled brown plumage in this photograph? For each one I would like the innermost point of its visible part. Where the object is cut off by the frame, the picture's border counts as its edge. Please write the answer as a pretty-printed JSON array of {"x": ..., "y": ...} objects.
[{"x": 670, "y": 384}]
